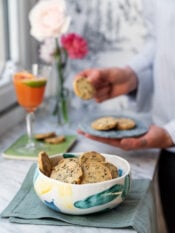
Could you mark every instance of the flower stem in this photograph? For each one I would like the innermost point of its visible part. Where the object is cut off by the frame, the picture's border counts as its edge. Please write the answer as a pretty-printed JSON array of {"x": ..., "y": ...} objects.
[{"x": 61, "y": 107}]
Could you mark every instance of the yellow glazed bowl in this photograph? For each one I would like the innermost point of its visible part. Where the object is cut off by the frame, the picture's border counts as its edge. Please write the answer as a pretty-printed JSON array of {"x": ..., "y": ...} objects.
[{"x": 81, "y": 199}]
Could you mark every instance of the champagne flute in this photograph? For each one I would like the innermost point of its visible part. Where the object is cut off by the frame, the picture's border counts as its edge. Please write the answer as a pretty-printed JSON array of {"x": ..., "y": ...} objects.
[{"x": 30, "y": 88}]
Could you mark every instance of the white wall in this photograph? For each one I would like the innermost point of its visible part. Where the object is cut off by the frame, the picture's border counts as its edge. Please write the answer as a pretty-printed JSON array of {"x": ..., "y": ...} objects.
[{"x": 115, "y": 31}]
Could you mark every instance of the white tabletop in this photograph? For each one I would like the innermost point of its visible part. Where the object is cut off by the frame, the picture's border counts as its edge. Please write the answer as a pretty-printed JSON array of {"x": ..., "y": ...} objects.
[{"x": 13, "y": 172}]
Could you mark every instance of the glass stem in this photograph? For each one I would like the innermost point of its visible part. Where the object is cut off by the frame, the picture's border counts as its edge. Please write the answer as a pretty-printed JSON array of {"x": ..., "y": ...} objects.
[{"x": 29, "y": 117}]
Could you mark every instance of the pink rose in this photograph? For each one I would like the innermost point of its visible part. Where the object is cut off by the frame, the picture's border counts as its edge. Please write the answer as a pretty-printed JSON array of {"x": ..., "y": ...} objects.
[
  {"x": 75, "y": 45},
  {"x": 47, "y": 50},
  {"x": 48, "y": 19}
]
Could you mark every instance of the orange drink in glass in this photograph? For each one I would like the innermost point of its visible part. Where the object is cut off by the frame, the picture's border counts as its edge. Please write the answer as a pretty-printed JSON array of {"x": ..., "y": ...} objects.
[{"x": 29, "y": 88}]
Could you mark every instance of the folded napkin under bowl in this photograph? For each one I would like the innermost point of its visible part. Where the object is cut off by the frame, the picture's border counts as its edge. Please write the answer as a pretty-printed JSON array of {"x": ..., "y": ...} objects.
[{"x": 137, "y": 212}]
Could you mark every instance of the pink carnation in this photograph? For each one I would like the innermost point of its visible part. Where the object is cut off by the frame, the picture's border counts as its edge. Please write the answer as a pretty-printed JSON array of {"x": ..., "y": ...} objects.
[{"x": 75, "y": 45}]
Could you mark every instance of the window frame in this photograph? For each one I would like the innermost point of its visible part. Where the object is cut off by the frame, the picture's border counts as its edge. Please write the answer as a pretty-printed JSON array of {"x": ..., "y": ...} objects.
[
  {"x": 7, "y": 95},
  {"x": 17, "y": 46},
  {"x": 21, "y": 51}
]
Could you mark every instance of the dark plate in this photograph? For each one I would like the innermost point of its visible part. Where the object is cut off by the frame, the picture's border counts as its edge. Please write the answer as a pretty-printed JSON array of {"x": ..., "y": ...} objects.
[{"x": 140, "y": 129}]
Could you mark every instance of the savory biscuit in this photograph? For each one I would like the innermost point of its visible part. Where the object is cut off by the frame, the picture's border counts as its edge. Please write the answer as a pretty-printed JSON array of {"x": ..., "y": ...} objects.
[
  {"x": 113, "y": 169},
  {"x": 104, "y": 123},
  {"x": 43, "y": 136},
  {"x": 83, "y": 88},
  {"x": 91, "y": 156},
  {"x": 54, "y": 161},
  {"x": 44, "y": 163},
  {"x": 68, "y": 170},
  {"x": 125, "y": 123},
  {"x": 55, "y": 140},
  {"x": 94, "y": 172}
]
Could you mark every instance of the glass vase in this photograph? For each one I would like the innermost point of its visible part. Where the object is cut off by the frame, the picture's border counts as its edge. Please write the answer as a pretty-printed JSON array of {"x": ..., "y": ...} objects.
[
  {"x": 61, "y": 109},
  {"x": 62, "y": 103}
]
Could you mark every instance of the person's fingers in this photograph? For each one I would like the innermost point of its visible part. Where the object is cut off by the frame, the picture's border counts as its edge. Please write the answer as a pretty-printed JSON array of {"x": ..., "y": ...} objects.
[
  {"x": 134, "y": 143},
  {"x": 102, "y": 98},
  {"x": 93, "y": 76},
  {"x": 85, "y": 73},
  {"x": 102, "y": 94},
  {"x": 81, "y": 74},
  {"x": 104, "y": 91},
  {"x": 80, "y": 132},
  {"x": 90, "y": 73},
  {"x": 109, "y": 141},
  {"x": 101, "y": 85}
]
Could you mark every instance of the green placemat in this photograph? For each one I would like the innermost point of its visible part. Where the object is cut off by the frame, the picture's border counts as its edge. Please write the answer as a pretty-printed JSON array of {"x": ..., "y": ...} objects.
[
  {"x": 14, "y": 151},
  {"x": 136, "y": 212}
]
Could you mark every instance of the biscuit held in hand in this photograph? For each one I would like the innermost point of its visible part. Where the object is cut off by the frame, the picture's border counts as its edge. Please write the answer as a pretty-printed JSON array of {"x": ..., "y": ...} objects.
[{"x": 83, "y": 88}]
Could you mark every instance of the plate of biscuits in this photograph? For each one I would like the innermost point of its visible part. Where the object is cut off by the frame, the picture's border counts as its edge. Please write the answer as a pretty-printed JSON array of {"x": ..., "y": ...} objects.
[{"x": 114, "y": 126}]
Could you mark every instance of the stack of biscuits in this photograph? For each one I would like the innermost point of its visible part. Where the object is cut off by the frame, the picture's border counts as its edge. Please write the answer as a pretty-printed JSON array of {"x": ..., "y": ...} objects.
[
  {"x": 50, "y": 137},
  {"x": 90, "y": 167},
  {"x": 114, "y": 123}
]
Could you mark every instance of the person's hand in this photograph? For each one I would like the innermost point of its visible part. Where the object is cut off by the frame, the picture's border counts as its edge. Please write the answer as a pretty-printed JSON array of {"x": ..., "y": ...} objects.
[
  {"x": 156, "y": 137},
  {"x": 110, "y": 82}
]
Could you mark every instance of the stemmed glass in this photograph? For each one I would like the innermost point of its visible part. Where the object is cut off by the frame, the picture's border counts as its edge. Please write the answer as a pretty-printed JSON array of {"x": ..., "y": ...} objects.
[{"x": 30, "y": 88}]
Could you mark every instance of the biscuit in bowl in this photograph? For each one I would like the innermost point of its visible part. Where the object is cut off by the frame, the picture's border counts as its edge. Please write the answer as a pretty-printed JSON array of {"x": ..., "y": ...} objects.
[
  {"x": 68, "y": 170},
  {"x": 91, "y": 156},
  {"x": 94, "y": 172},
  {"x": 44, "y": 163}
]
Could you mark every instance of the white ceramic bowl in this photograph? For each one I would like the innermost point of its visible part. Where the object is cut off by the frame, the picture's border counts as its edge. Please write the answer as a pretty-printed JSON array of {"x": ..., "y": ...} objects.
[{"x": 81, "y": 199}]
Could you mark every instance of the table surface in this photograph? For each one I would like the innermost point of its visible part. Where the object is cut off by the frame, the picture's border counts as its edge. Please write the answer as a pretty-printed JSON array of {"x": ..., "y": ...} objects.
[{"x": 142, "y": 163}]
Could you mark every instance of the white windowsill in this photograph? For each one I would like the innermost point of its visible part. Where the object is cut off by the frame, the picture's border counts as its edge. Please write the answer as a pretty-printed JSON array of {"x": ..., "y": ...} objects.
[
  {"x": 7, "y": 96},
  {"x": 9, "y": 113},
  {"x": 11, "y": 118}
]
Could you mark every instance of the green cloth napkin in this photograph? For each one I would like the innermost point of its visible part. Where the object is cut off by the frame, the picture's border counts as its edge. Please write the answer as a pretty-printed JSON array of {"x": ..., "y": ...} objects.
[{"x": 136, "y": 212}]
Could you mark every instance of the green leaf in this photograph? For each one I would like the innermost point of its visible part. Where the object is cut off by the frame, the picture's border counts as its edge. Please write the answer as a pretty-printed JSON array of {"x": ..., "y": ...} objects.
[{"x": 100, "y": 198}]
